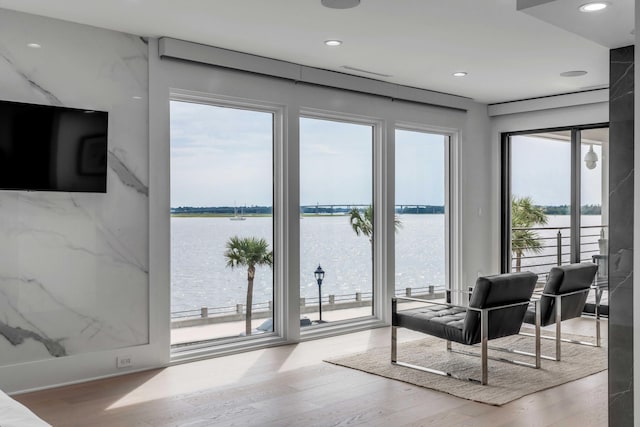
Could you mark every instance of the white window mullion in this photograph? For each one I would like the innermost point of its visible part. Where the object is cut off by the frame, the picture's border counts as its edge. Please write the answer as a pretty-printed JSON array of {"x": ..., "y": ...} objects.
[{"x": 381, "y": 241}]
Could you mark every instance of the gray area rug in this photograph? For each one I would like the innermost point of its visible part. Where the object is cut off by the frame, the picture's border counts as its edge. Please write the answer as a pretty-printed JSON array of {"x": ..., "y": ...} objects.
[{"x": 507, "y": 382}]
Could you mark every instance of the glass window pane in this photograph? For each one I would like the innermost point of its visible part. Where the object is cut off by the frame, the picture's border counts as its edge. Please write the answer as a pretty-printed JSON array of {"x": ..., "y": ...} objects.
[
  {"x": 541, "y": 200},
  {"x": 336, "y": 219},
  {"x": 221, "y": 222},
  {"x": 420, "y": 249}
]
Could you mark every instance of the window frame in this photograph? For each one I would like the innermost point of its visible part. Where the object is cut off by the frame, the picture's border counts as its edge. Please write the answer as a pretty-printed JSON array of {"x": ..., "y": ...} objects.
[
  {"x": 227, "y": 345},
  {"x": 287, "y": 219},
  {"x": 379, "y": 222},
  {"x": 505, "y": 188},
  {"x": 452, "y": 196}
]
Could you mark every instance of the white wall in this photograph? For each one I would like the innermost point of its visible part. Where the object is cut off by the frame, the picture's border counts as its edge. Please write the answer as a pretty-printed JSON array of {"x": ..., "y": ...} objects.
[{"x": 74, "y": 266}]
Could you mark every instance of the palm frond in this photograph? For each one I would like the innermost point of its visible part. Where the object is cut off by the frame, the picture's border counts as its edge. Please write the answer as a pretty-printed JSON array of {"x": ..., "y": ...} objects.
[
  {"x": 248, "y": 251},
  {"x": 362, "y": 222},
  {"x": 524, "y": 215}
]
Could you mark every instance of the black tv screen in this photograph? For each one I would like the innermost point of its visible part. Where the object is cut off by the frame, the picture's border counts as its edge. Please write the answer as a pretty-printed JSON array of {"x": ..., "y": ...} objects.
[{"x": 52, "y": 148}]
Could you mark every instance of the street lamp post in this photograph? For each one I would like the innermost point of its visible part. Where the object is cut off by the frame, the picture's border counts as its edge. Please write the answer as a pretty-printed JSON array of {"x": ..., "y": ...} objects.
[{"x": 319, "y": 273}]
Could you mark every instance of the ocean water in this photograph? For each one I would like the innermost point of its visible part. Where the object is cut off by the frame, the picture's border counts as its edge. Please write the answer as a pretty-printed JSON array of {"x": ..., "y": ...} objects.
[{"x": 200, "y": 278}]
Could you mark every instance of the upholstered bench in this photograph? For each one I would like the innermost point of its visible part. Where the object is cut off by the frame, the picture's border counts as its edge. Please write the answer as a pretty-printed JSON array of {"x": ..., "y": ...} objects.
[{"x": 441, "y": 321}]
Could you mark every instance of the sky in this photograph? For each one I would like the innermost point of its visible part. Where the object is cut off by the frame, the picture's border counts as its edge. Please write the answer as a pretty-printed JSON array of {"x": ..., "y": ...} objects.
[
  {"x": 223, "y": 157},
  {"x": 420, "y": 168},
  {"x": 541, "y": 169},
  {"x": 335, "y": 162},
  {"x": 220, "y": 156}
]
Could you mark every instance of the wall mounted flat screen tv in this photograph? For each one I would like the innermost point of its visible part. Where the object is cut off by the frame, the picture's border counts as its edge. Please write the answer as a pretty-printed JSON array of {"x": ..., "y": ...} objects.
[{"x": 52, "y": 148}]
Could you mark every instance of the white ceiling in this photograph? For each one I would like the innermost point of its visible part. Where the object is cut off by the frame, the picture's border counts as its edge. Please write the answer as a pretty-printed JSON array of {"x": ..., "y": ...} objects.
[
  {"x": 611, "y": 28},
  {"x": 509, "y": 54}
]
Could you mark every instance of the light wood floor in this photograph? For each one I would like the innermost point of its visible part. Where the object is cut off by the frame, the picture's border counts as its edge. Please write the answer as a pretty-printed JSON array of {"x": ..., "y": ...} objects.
[{"x": 291, "y": 386}]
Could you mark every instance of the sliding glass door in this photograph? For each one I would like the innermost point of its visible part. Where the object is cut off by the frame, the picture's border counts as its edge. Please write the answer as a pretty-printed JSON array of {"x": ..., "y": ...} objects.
[
  {"x": 540, "y": 200},
  {"x": 554, "y": 197}
]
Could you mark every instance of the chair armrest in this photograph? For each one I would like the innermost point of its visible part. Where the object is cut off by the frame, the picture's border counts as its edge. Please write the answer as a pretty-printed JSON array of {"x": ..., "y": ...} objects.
[{"x": 567, "y": 294}]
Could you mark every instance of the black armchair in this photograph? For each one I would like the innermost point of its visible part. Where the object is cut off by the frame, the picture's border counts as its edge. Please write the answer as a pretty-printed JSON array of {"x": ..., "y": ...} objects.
[
  {"x": 496, "y": 309},
  {"x": 563, "y": 297}
]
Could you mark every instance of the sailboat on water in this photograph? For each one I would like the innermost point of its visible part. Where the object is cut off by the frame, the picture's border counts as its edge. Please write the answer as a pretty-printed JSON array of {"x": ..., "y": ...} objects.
[{"x": 237, "y": 217}]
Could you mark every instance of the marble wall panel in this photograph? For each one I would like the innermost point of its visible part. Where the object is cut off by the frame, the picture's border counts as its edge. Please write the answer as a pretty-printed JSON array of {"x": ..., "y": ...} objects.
[
  {"x": 74, "y": 266},
  {"x": 621, "y": 133}
]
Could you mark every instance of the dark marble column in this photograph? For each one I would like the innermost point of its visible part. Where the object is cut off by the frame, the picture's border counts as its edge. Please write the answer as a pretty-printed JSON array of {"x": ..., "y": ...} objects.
[{"x": 621, "y": 237}]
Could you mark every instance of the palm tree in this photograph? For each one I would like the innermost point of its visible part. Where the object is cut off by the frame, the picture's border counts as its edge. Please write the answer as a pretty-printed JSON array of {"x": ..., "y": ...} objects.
[
  {"x": 362, "y": 222},
  {"x": 524, "y": 215},
  {"x": 249, "y": 252}
]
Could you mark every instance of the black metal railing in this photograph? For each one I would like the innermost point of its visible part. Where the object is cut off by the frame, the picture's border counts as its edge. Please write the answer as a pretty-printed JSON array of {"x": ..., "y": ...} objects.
[{"x": 555, "y": 247}]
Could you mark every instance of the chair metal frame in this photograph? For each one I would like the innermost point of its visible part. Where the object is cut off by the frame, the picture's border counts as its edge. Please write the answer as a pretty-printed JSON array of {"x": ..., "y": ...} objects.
[
  {"x": 558, "y": 323},
  {"x": 484, "y": 339}
]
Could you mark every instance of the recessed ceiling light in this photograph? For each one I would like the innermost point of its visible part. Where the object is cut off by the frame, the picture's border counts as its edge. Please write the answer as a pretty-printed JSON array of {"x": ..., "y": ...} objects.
[
  {"x": 593, "y": 7},
  {"x": 136, "y": 97},
  {"x": 333, "y": 42},
  {"x": 460, "y": 74},
  {"x": 340, "y": 4},
  {"x": 576, "y": 73},
  {"x": 34, "y": 45}
]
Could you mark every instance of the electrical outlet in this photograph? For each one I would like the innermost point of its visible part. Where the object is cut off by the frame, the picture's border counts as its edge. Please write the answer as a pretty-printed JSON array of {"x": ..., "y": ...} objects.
[{"x": 124, "y": 361}]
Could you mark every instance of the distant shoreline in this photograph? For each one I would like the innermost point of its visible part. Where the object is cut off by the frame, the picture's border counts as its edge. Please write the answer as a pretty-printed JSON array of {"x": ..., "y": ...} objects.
[
  {"x": 216, "y": 215},
  {"x": 303, "y": 215},
  {"x": 310, "y": 215},
  {"x": 341, "y": 210},
  {"x": 255, "y": 210}
]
